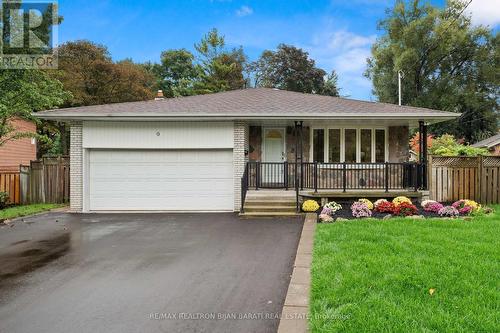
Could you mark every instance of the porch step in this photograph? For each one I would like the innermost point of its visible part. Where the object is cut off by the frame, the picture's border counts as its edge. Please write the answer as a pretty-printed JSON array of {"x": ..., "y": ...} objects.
[
  {"x": 267, "y": 214},
  {"x": 270, "y": 209},
  {"x": 274, "y": 203},
  {"x": 270, "y": 203}
]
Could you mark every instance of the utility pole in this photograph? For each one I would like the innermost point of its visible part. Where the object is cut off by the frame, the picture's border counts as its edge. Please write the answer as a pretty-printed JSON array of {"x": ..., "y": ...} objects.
[{"x": 401, "y": 75}]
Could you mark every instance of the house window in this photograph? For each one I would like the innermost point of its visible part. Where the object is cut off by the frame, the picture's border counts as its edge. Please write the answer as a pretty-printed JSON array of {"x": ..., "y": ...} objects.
[
  {"x": 319, "y": 145},
  {"x": 366, "y": 145},
  {"x": 350, "y": 145},
  {"x": 334, "y": 145}
]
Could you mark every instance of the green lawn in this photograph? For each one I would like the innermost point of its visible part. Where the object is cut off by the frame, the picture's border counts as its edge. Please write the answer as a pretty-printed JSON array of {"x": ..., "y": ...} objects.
[
  {"x": 374, "y": 275},
  {"x": 18, "y": 211}
]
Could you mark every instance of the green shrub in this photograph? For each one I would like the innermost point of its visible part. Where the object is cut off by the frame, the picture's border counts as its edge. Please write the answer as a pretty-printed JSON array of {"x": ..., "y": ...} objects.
[
  {"x": 4, "y": 199},
  {"x": 447, "y": 145}
]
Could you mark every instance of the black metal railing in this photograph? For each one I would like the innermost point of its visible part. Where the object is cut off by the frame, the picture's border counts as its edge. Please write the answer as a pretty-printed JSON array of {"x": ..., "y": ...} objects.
[
  {"x": 244, "y": 188},
  {"x": 341, "y": 176},
  {"x": 271, "y": 175}
]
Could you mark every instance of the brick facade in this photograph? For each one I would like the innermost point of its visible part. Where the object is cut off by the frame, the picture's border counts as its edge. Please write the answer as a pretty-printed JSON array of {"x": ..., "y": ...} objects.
[
  {"x": 241, "y": 146},
  {"x": 399, "y": 150},
  {"x": 76, "y": 167},
  {"x": 16, "y": 152}
]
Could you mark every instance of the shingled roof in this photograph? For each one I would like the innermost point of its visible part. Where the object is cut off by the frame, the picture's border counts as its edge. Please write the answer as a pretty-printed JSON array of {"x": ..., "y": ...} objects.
[
  {"x": 257, "y": 103},
  {"x": 488, "y": 143}
]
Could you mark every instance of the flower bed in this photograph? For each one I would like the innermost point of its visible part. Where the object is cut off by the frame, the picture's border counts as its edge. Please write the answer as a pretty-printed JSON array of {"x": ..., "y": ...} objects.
[{"x": 399, "y": 207}]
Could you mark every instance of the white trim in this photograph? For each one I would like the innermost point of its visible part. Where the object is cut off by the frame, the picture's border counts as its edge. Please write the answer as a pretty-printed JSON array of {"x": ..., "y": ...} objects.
[
  {"x": 263, "y": 137},
  {"x": 358, "y": 129}
]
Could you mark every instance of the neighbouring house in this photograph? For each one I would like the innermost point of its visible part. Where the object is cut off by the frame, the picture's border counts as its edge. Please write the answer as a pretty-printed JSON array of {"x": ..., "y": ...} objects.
[
  {"x": 208, "y": 152},
  {"x": 16, "y": 152},
  {"x": 492, "y": 144}
]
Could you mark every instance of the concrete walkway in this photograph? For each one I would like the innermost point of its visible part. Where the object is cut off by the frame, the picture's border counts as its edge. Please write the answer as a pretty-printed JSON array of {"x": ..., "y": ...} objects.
[{"x": 295, "y": 310}]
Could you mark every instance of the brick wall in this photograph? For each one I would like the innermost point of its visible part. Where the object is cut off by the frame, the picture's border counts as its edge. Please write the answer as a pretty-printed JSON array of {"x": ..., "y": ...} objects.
[
  {"x": 239, "y": 159},
  {"x": 17, "y": 152},
  {"x": 399, "y": 150},
  {"x": 76, "y": 167}
]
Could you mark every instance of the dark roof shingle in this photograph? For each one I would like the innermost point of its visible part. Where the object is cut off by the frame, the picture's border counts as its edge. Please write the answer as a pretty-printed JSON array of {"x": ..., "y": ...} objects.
[{"x": 255, "y": 102}]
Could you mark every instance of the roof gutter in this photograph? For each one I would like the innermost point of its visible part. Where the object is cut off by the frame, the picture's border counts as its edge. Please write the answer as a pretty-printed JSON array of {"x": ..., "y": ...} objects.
[{"x": 141, "y": 117}]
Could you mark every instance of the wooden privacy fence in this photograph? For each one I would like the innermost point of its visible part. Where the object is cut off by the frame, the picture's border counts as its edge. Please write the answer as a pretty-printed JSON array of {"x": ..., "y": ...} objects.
[
  {"x": 10, "y": 183},
  {"x": 455, "y": 178},
  {"x": 43, "y": 181}
]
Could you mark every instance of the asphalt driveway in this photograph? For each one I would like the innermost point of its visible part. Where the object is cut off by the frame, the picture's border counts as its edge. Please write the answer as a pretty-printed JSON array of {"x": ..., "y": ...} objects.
[{"x": 146, "y": 273}]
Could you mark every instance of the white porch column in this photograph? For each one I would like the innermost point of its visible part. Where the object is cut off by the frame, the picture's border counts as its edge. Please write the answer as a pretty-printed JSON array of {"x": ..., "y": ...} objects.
[
  {"x": 76, "y": 168},
  {"x": 239, "y": 159}
]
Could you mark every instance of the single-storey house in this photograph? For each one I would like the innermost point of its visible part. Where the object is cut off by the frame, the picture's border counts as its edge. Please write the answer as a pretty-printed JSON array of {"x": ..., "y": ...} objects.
[
  {"x": 206, "y": 152},
  {"x": 492, "y": 144}
]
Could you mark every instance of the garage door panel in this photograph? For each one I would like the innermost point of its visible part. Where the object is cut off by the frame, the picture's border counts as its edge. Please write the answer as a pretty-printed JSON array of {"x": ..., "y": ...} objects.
[{"x": 161, "y": 180}]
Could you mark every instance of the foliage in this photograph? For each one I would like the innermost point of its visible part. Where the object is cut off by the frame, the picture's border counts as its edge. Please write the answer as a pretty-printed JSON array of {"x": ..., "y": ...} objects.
[
  {"x": 388, "y": 266},
  {"x": 399, "y": 200},
  {"x": 449, "y": 64},
  {"x": 290, "y": 68},
  {"x": 433, "y": 207},
  {"x": 385, "y": 207},
  {"x": 176, "y": 73},
  {"x": 310, "y": 206},
  {"x": 360, "y": 209},
  {"x": 23, "y": 92},
  {"x": 4, "y": 199},
  {"x": 88, "y": 72},
  {"x": 415, "y": 142},
  {"x": 367, "y": 202},
  {"x": 333, "y": 206},
  {"x": 447, "y": 145},
  {"x": 214, "y": 68},
  {"x": 220, "y": 69},
  {"x": 448, "y": 211},
  {"x": 405, "y": 209}
]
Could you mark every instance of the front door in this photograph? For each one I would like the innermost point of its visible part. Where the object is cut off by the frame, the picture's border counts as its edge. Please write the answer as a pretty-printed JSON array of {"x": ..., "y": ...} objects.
[{"x": 274, "y": 156}]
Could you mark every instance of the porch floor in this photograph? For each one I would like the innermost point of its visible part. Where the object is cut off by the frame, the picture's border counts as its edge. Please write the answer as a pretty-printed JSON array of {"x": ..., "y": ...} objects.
[{"x": 361, "y": 193}]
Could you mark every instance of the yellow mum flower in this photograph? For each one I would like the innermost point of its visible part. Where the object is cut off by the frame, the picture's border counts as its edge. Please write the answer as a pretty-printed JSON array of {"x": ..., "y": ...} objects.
[
  {"x": 367, "y": 202},
  {"x": 399, "y": 200},
  {"x": 310, "y": 206}
]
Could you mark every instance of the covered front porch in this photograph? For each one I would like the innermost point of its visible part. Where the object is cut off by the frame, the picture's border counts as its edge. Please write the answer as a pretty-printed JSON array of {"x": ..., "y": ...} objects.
[{"x": 340, "y": 159}]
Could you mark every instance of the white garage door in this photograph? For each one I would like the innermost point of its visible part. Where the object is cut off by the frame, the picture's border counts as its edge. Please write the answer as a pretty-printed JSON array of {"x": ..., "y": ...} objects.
[{"x": 191, "y": 180}]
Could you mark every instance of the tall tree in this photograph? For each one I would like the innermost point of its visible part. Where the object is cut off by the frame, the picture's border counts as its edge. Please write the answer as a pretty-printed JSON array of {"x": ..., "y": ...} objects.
[
  {"x": 176, "y": 73},
  {"x": 23, "y": 92},
  {"x": 449, "y": 64},
  {"x": 219, "y": 69},
  {"x": 86, "y": 69},
  {"x": 213, "y": 68},
  {"x": 290, "y": 68}
]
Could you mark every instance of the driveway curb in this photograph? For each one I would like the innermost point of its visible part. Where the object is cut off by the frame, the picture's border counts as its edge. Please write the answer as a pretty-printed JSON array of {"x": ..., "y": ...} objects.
[{"x": 295, "y": 309}]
